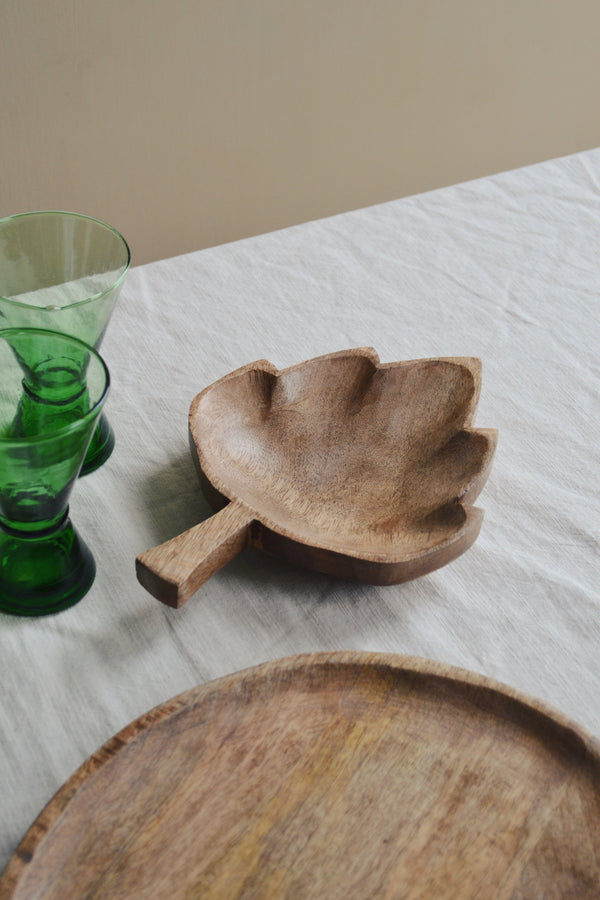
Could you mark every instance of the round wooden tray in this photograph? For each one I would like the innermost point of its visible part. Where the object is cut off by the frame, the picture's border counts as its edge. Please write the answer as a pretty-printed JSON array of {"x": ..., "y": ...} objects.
[{"x": 332, "y": 775}]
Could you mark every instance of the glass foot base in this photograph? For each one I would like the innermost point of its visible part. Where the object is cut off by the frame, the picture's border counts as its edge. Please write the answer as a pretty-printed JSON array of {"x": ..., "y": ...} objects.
[
  {"x": 43, "y": 574},
  {"x": 101, "y": 446}
]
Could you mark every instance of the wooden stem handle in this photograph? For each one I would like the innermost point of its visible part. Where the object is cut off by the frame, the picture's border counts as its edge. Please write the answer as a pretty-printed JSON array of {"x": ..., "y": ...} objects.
[{"x": 173, "y": 571}]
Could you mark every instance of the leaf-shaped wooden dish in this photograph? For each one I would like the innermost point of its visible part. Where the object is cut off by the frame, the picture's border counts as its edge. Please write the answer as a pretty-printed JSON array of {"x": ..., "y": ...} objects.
[
  {"x": 341, "y": 464},
  {"x": 326, "y": 777}
]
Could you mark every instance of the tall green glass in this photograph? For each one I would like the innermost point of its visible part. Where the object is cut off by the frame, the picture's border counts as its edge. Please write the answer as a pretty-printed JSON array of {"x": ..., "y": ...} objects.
[
  {"x": 52, "y": 391},
  {"x": 61, "y": 271}
]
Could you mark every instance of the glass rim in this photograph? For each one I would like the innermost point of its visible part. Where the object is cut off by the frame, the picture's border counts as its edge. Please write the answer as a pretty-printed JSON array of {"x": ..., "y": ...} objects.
[
  {"x": 6, "y": 220},
  {"x": 64, "y": 430}
]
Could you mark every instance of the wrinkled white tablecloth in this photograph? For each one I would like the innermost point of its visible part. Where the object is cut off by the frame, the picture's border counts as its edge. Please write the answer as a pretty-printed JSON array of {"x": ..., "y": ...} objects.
[{"x": 506, "y": 268}]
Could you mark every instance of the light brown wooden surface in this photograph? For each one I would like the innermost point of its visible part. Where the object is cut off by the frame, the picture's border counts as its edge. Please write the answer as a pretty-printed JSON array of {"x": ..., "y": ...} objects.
[
  {"x": 337, "y": 775},
  {"x": 341, "y": 464}
]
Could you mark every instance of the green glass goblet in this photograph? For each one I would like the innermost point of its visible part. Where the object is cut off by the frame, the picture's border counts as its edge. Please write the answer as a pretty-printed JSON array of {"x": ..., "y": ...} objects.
[
  {"x": 61, "y": 271},
  {"x": 52, "y": 391}
]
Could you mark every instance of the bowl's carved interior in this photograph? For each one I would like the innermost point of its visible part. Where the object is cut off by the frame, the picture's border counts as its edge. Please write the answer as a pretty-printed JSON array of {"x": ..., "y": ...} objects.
[{"x": 347, "y": 451}]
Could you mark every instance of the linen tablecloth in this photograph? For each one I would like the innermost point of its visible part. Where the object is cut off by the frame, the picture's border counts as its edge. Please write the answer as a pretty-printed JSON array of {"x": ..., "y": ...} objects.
[{"x": 505, "y": 268}]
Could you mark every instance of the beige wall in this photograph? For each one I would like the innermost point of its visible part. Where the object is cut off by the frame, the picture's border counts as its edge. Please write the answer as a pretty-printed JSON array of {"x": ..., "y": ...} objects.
[{"x": 187, "y": 123}]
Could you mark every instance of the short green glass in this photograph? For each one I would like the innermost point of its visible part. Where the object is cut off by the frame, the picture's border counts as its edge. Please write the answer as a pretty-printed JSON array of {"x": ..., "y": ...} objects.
[
  {"x": 62, "y": 271},
  {"x": 52, "y": 391}
]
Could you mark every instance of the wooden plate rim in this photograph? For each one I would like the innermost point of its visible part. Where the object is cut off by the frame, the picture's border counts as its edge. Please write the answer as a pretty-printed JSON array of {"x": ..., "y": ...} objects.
[{"x": 454, "y": 677}]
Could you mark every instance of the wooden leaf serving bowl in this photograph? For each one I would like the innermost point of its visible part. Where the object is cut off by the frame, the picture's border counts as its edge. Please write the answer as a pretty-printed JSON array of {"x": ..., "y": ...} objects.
[{"x": 363, "y": 470}]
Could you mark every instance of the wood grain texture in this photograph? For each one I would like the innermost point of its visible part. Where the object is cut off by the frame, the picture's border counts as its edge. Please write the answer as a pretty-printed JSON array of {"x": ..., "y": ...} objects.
[
  {"x": 176, "y": 569},
  {"x": 342, "y": 464},
  {"x": 338, "y": 775}
]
